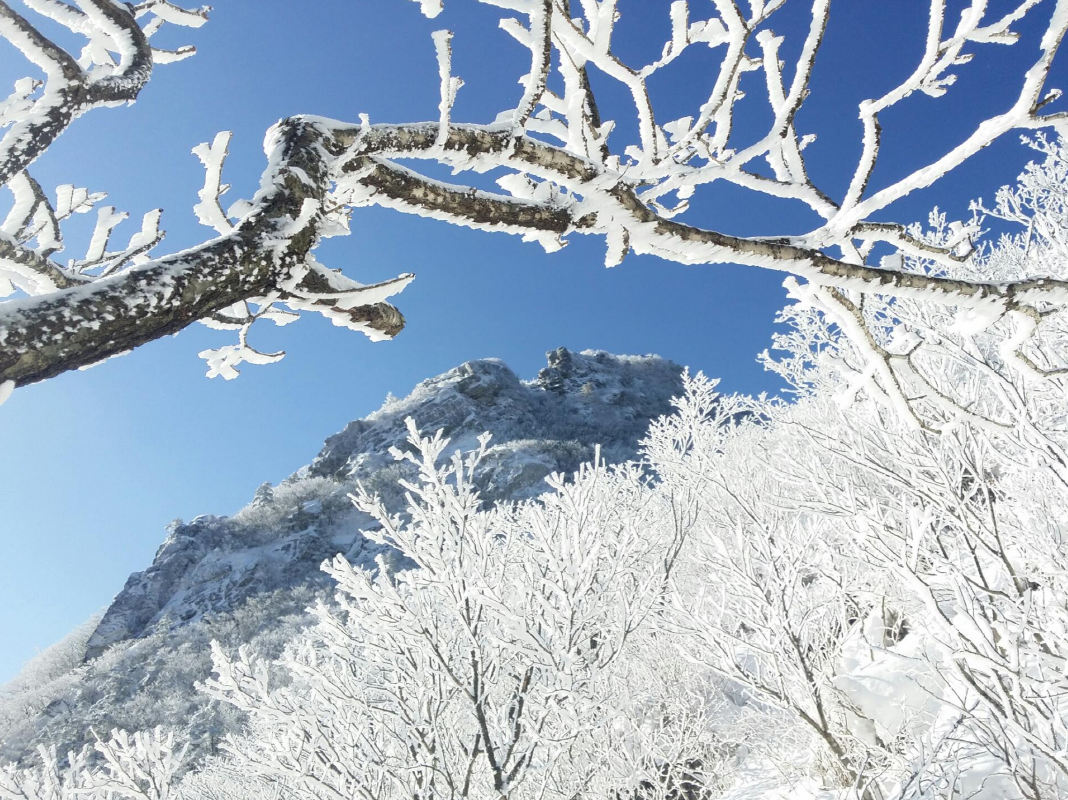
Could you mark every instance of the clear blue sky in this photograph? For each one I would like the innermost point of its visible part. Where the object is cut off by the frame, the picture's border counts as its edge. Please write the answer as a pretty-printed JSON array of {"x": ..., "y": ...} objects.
[{"x": 94, "y": 464}]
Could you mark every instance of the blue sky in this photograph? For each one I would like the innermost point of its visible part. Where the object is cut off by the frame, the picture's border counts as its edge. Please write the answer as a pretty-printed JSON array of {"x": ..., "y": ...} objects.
[{"x": 94, "y": 464}]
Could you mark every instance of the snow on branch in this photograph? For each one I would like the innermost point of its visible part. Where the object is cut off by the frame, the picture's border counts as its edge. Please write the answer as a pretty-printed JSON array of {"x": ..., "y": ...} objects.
[
  {"x": 141, "y": 766},
  {"x": 430, "y": 8},
  {"x": 209, "y": 210},
  {"x": 539, "y": 40},
  {"x": 296, "y": 205},
  {"x": 623, "y": 194},
  {"x": 566, "y": 170},
  {"x": 114, "y": 66},
  {"x": 166, "y": 11},
  {"x": 450, "y": 85},
  {"x": 222, "y": 361}
]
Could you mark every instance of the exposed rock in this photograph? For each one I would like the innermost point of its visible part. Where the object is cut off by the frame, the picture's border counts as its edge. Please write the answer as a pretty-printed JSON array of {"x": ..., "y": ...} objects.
[{"x": 554, "y": 377}]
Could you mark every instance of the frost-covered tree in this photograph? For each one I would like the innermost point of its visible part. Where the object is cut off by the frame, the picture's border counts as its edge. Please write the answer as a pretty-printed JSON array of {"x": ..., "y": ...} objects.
[
  {"x": 810, "y": 590},
  {"x": 44, "y": 678},
  {"x": 898, "y": 589},
  {"x": 487, "y": 661},
  {"x": 818, "y": 597},
  {"x": 139, "y": 766},
  {"x": 775, "y": 592},
  {"x": 565, "y": 173}
]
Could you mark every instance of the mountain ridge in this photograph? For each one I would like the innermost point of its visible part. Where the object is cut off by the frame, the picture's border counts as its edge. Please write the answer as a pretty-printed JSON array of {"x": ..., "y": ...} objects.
[
  {"x": 248, "y": 578},
  {"x": 549, "y": 424}
]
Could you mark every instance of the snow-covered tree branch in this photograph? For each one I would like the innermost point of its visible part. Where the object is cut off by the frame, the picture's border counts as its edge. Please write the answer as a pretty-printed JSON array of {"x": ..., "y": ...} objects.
[
  {"x": 113, "y": 300},
  {"x": 139, "y": 766},
  {"x": 562, "y": 178}
]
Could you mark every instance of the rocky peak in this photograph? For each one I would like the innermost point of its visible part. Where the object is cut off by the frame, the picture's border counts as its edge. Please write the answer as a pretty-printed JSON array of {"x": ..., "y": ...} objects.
[
  {"x": 554, "y": 377},
  {"x": 551, "y": 424},
  {"x": 484, "y": 379}
]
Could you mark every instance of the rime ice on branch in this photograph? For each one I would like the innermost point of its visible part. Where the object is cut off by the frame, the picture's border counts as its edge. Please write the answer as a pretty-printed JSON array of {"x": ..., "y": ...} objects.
[
  {"x": 562, "y": 178},
  {"x": 114, "y": 299},
  {"x": 139, "y": 766}
]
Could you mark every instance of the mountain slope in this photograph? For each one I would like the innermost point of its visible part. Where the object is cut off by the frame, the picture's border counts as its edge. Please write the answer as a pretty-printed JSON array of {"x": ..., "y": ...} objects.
[{"x": 247, "y": 579}]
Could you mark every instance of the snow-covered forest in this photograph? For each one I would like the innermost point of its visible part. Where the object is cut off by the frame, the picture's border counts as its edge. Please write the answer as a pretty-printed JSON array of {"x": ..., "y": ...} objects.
[
  {"x": 857, "y": 590},
  {"x": 809, "y": 597}
]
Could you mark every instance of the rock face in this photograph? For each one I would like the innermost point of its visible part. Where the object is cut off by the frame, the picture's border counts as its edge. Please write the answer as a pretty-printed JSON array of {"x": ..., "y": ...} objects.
[{"x": 213, "y": 565}]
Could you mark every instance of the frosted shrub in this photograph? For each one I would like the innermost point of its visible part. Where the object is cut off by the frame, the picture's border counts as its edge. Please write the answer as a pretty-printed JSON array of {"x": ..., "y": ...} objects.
[
  {"x": 140, "y": 766},
  {"x": 218, "y": 780},
  {"x": 44, "y": 679},
  {"x": 385, "y": 484},
  {"x": 286, "y": 499},
  {"x": 491, "y": 667}
]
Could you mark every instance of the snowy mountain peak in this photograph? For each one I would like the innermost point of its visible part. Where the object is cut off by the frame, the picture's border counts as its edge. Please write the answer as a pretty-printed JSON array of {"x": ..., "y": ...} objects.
[{"x": 213, "y": 565}]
